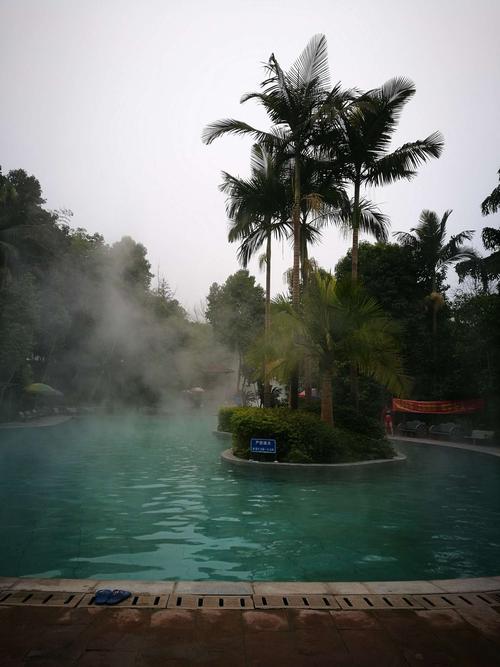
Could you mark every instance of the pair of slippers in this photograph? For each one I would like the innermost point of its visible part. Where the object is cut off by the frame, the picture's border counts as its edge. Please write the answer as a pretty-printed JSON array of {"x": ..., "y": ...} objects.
[{"x": 109, "y": 597}]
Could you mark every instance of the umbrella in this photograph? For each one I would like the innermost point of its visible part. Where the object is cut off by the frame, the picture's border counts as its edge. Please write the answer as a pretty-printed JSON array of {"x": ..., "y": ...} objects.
[
  {"x": 314, "y": 393},
  {"x": 41, "y": 389},
  {"x": 197, "y": 390}
]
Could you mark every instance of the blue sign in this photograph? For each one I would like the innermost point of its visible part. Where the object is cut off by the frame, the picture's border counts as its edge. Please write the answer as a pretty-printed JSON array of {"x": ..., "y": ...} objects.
[{"x": 263, "y": 446}]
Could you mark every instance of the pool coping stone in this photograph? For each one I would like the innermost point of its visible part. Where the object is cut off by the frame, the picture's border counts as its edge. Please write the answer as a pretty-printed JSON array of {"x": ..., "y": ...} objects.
[
  {"x": 478, "y": 449},
  {"x": 228, "y": 456},
  {"x": 436, "y": 586}
]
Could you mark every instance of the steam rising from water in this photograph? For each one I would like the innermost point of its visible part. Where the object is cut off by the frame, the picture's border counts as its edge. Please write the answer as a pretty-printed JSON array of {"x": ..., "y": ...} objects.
[{"x": 125, "y": 344}]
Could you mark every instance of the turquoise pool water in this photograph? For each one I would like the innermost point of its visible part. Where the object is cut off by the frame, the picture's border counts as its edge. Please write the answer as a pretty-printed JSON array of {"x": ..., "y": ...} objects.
[{"x": 149, "y": 499}]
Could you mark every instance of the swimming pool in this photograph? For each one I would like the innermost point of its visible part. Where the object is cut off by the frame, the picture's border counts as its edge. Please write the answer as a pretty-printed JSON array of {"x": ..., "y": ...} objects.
[{"x": 149, "y": 498}]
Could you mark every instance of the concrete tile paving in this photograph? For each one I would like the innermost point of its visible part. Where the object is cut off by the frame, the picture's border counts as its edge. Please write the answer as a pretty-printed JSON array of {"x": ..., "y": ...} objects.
[{"x": 291, "y": 637}]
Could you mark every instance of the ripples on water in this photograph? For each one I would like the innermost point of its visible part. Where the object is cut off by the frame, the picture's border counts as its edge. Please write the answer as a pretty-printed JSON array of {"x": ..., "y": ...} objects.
[{"x": 149, "y": 498}]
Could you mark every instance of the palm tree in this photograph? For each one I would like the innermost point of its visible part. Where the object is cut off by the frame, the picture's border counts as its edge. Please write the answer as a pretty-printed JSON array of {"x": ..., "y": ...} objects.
[
  {"x": 258, "y": 209},
  {"x": 492, "y": 202},
  {"x": 293, "y": 101},
  {"x": 371, "y": 220},
  {"x": 483, "y": 269},
  {"x": 339, "y": 322},
  {"x": 486, "y": 268},
  {"x": 361, "y": 135},
  {"x": 428, "y": 241}
]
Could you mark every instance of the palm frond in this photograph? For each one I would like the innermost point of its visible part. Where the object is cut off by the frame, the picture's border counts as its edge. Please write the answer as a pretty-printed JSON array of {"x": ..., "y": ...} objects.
[
  {"x": 403, "y": 162},
  {"x": 259, "y": 159},
  {"x": 491, "y": 238},
  {"x": 311, "y": 67},
  {"x": 474, "y": 267},
  {"x": 454, "y": 253},
  {"x": 232, "y": 126},
  {"x": 372, "y": 221},
  {"x": 492, "y": 203},
  {"x": 395, "y": 91},
  {"x": 405, "y": 239}
]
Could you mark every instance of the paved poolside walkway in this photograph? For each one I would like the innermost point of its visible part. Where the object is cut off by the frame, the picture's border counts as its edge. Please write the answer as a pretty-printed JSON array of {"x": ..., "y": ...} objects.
[
  {"x": 297, "y": 637},
  {"x": 48, "y": 420},
  {"x": 467, "y": 635},
  {"x": 482, "y": 449}
]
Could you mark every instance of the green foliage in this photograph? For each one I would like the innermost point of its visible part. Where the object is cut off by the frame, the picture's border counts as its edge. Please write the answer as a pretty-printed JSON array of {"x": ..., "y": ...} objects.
[
  {"x": 394, "y": 275},
  {"x": 348, "y": 419},
  {"x": 225, "y": 418},
  {"x": 427, "y": 242},
  {"x": 492, "y": 202},
  {"x": 81, "y": 315},
  {"x": 475, "y": 332},
  {"x": 342, "y": 322},
  {"x": 129, "y": 264},
  {"x": 236, "y": 310},
  {"x": 20, "y": 311},
  {"x": 301, "y": 437}
]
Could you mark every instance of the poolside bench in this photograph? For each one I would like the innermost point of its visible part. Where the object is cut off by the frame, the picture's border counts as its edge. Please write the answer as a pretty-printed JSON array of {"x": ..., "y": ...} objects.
[
  {"x": 448, "y": 430},
  {"x": 480, "y": 435},
  {"x": 416, "y": 428}
]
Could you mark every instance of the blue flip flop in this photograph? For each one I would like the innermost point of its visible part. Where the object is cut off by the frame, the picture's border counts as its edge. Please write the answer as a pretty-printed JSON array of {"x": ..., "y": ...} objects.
[
  {"x": 117, "y": 596},
  {"x": 102, "y": 596}
]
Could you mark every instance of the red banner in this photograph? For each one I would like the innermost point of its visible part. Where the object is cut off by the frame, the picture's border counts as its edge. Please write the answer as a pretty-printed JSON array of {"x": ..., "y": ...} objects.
[{"x": 437, "y": 407}]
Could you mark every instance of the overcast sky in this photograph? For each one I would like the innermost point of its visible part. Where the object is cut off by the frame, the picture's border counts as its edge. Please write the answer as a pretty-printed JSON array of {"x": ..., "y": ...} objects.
[{"x": 104, "y": 102}]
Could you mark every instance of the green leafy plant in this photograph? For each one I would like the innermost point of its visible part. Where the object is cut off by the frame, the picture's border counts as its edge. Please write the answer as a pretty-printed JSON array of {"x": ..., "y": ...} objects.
[{"x": 300, "y": 437}]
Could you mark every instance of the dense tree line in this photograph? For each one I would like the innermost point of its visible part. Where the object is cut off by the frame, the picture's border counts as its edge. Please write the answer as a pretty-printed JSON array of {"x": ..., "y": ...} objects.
[{"x": 82, "y": 315}]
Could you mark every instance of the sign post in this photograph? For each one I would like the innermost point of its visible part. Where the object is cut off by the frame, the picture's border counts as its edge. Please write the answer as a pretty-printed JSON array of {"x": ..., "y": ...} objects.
[{"x": 263, "y": 446}]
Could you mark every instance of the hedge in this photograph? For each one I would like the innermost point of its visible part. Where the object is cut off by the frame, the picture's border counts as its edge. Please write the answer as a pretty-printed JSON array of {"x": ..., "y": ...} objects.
[
  {"x": 225, "y": 416},
  {"x": 347, "y": 418},
  {"x": 300, "y": 437}
]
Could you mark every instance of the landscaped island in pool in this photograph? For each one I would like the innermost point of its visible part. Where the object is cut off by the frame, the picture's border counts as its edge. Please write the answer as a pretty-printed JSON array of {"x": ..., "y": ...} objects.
[{"x": 149, "y": 498}]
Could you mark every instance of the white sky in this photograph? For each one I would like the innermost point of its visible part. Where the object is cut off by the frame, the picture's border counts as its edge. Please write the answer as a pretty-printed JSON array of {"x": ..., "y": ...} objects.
[{"x": 104, "y": 102}]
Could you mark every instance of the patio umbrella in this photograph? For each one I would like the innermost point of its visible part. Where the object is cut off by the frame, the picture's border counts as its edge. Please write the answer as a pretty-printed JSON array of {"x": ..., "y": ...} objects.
[{"x": 41, "y": 389}]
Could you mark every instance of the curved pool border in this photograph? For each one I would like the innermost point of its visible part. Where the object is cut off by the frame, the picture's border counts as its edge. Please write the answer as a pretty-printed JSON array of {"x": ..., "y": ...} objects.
[
  {"x": 478, "y": 449},
  {"x": 279, "y": 588},
  {"x": 228, "y": 456}
]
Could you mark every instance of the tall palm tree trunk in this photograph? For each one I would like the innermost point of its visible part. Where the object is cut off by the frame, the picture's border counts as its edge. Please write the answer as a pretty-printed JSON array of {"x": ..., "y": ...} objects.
[
  {"x": 307, "y": 356},
  {"x": 326, "y": 397},
  {"x": 435, "y": 308},
  {"x": 354, "y": 276},
  {"x": 355, "y": 232},
  {"x": 267, "y": 322},
  {"x": 294, "y": 380}
]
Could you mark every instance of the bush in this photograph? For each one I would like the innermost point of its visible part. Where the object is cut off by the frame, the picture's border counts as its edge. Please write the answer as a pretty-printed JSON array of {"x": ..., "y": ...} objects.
[
  {"x": 312, "y": 407},
  {"x": 346, "y": 418},
  {"x": 300, "y": 437},
  {"x": 350, "y": 420},
  {"x": 225, "y": 418}
]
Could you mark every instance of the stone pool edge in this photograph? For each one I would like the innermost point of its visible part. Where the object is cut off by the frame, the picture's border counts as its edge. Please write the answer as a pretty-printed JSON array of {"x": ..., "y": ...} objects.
[
  {"x": 228, "y": 456},
  {"x": 478, "y": 449},
  {"x": 436, "y": 586}
]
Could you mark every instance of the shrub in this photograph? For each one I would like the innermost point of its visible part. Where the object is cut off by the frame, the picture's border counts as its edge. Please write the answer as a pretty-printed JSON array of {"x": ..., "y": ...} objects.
[
  {"x": 313, "y": 406},
  {"x": 225, "y": 418},
  {"x": 347, "y": 418},
  {"x": 300, "y": 437}
]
